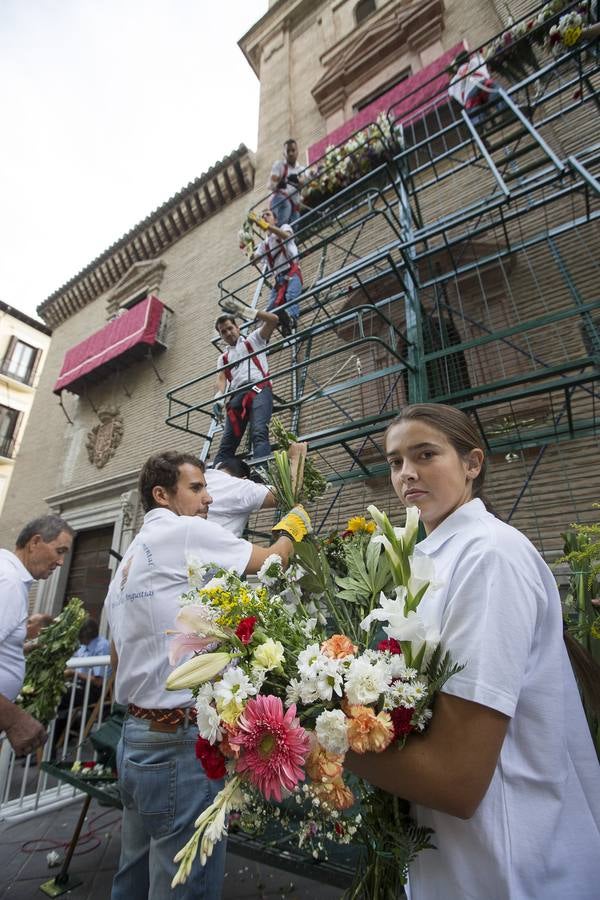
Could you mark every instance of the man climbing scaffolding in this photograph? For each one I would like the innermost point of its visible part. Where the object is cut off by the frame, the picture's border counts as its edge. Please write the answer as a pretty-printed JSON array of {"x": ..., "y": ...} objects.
[
  {"x": 278, "y": 254},
  {"x": 243, "y": 369}
]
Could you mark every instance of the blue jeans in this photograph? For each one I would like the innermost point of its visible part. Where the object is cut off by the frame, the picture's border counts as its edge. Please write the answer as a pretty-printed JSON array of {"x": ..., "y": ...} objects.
[
  {"x": 283, "y": 210},
  {"x": 292, "y": 292},
  {"x": 260, "y": 417},
  {"x": 164, "y": 790}
]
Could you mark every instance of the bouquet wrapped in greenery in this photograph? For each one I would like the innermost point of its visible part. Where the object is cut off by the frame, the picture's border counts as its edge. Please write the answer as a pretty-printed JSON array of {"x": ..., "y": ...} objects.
[
  {"x": 44, "y": 682},
  {"x": 294, "y": 482}
]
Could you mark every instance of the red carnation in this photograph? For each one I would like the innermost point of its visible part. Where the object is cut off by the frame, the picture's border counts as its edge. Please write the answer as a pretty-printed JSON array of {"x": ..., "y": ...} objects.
[
  {"x": 391, "y": 645},
  {"x": 213, "y": 761},
  {"x": 245, "y": 629},
  {"x": 401, "y": 721}
]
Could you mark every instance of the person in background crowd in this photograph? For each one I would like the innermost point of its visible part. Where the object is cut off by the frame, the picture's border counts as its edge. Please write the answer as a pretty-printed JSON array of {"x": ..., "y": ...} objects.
[
  {"x": 163, "y": 786},
  {"x": 243, "y": 368},
  {"x": 41, "y": 546},
  {"x": 284, "y": 182},
  {"x": 91, "y": 644},
  {"x": 35, "y": 625}
]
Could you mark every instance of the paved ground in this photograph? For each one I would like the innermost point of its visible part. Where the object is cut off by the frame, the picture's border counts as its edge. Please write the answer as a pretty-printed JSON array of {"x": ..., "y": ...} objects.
[{"x": 23, "y": 864}]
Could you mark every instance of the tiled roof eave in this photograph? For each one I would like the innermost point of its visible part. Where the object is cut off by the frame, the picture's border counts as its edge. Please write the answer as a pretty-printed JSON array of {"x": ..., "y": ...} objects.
[{"x": 151, "y": 237}]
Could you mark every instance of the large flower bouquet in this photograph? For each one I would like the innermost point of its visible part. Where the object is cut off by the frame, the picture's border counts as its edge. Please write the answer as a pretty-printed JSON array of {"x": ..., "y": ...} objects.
[{"x": 289, "y": 674}]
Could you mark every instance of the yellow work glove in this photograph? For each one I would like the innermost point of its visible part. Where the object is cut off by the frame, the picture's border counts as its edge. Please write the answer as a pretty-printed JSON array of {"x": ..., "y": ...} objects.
[
  {"x": 262, "y": 223},
  {"x": 296, "y": 524}
]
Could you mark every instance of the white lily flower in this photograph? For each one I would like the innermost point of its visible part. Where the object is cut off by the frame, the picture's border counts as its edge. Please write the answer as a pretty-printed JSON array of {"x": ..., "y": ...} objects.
[{"x": 422, "y": 571}]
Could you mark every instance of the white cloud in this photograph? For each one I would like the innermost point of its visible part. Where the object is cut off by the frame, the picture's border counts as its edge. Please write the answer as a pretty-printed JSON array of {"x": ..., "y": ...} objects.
[{"x": 109, "y": 107}]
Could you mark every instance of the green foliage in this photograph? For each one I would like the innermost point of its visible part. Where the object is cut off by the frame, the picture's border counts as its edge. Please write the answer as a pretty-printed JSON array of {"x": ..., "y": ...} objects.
[
  {"x": 44, "y": 682},
  {"x": 393, "y": 841},
  {"x": 310, "y": 488}
]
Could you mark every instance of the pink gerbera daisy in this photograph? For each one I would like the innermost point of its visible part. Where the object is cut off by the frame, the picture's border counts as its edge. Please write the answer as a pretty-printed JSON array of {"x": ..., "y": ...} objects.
[{"x": 272, "y": 744}]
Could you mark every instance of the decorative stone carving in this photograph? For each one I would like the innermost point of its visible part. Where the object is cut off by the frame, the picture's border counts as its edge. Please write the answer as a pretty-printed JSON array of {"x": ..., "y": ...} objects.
[
  {"x": 104, "y": 438},
  {"x": 142, "y": 278},
  {"x": 128, "y": 508},
  {"x": 402, "y": 27}
]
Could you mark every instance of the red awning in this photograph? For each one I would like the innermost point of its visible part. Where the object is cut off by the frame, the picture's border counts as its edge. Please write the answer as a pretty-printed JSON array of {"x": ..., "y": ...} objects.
[
  {"x": 411, "y": 99},
  {"x": 125, "y": 338}
]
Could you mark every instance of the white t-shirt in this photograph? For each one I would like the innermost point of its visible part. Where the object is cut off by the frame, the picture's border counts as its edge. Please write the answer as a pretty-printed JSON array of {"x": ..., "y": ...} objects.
[
  {"x": 246, "y": 372},
  {"x": 234, "y": 499},
  {"x": 278, "y": 171},
  {"x": 536, "y": 833},
  {"x": 143, "y": 599},
  {"x": 15, "y": 582},
  {"x": 470, "y": 76},
  {"x": 278, "y": 253}
]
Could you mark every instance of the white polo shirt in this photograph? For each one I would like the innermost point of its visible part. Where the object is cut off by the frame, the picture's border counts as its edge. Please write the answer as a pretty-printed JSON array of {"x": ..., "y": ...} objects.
[
  {"x": 246, "y": 372},
  {"x": 278, "y": 253},
  {"x": 536, "y": 834},
  {"x": 234, "y": 499},
  {"x": 143, "y": 599},
  {"x": 15, "y": 582}
]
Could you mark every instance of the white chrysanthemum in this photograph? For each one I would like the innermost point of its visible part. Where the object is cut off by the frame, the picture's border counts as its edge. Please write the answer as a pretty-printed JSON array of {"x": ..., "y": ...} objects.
[
  {"x": 208, "y": 722},
  {"x": 219, "y": 584},
  {"x": 332, "y": 731},
  {"x": 292, "y": 692},
  {"x": 329, "y": 679},
  {"x": 271, "y": 570},
  {"x": 234, "y": 684},
  {"x": 397, "y": 666},
  {"x": 365, "y": 682},
  {"x": 308, "y": 661},
  {"x": 307, "y": 688},
  {"x": 205, "y": 692}
]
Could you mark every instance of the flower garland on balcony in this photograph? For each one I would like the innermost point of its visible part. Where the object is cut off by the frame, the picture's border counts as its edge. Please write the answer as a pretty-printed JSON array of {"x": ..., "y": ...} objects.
[
  {"x": 512, "y": 54},
  {"x": 346, "y": 163}
]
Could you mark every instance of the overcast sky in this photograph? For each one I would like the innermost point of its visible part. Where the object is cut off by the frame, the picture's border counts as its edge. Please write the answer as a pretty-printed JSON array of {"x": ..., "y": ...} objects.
[{"x": 109, "y": 107}]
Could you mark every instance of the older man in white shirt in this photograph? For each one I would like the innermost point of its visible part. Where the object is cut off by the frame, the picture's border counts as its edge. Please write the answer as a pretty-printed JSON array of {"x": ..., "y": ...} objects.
[{"x": 41, "y": 546}]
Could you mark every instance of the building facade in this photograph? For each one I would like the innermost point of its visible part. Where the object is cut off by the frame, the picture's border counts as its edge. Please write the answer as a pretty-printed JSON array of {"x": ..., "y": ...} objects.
[
  {"x": 24, "y": 345},
  {"x": 434, "y": 282}
]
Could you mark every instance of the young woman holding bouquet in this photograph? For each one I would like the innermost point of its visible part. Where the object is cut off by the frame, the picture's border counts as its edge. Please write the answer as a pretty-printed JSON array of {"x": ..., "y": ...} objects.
[{"x": 506, "y": 774}]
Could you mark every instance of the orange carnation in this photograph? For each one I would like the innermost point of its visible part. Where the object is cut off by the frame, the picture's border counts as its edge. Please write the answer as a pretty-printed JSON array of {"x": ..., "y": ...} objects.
[
  {"x": 367, "y": 732},
  {"x": 321, "y": 765},
  {"x": 335, "y": 794},
  {"x": 338, "y": 646}
]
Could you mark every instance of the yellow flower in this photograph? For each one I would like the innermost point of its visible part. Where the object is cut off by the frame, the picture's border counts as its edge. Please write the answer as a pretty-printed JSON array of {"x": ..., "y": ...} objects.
[
  {"x": 359, "y": 523},
  {"x": 230, "y": 711},
  {"x": 571, "y": 35},
  {"x": 268, "y": 655}
]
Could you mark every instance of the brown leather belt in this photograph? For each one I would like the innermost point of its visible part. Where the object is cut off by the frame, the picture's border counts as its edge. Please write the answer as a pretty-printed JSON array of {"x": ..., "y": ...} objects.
[{"x": 164, "y": 719}]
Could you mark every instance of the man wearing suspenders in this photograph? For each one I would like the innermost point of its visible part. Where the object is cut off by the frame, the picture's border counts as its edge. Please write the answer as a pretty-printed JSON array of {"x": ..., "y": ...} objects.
[
  {"x": 284, "y": 181},
  {"x": 278, "y": 254},
  {"x": 243, "y": 368}
]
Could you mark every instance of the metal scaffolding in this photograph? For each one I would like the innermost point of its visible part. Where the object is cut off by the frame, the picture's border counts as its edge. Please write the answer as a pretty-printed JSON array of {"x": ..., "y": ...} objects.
[{"x": 463, "y": 268}]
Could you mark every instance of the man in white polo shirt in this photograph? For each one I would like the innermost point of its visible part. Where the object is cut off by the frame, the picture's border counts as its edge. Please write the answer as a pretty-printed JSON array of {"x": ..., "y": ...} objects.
[
  {"x": 163, "y": 787},
  {"x": 41, "y": 546},
  {"x": 243, "y": 369}
]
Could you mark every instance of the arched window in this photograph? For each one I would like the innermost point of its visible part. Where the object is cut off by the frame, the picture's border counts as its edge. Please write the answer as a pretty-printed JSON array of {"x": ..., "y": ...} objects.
[{"x": 363, "y": 10}]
